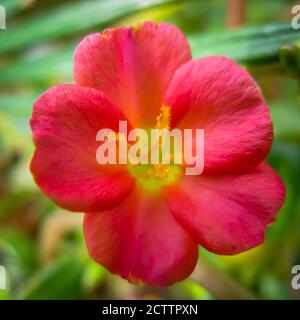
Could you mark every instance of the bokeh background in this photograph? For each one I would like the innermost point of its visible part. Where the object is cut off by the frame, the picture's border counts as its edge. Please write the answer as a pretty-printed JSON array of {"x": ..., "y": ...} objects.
[{"x": 41, "y": 245}]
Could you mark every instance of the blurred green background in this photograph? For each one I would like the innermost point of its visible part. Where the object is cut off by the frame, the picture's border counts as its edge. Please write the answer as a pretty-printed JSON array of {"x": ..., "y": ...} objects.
[{"x": 41, "y": 245}]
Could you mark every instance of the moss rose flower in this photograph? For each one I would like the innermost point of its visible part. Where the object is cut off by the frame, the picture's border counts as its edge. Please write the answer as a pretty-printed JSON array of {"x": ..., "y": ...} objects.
[{"x": 147, "y": 234}]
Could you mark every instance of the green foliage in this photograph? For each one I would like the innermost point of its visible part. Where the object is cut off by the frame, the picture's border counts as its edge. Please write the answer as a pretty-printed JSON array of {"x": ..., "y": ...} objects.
[
  {"x": 69, "y": 19},
  {"x": 59, "y": 280},
  {"x": 36, "y": 52},
  {"x": 252, "y": 45}
]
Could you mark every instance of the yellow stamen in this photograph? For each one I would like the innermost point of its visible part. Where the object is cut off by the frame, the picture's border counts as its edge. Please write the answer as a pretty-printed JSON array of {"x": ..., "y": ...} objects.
[
  {"x": 153, "y": 177},
  {"x": 158, "y": 170},
  {"x": 136, "y": 28},
  {"x": 163, "y": 121}
]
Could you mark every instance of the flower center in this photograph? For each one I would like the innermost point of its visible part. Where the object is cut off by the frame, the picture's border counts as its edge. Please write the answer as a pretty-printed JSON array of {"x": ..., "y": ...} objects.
[{"x": 152, "y": 177}]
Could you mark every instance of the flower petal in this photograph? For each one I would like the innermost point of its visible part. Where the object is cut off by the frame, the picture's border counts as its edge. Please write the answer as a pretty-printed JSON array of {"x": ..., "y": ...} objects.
[
  {"x": 64, "y": 122},
  {"x": 141, "y": 241},
  {"x": 227, "y": 214},
  {"x": 219, "y": 96},
  {"x": 132, "y": 66}
]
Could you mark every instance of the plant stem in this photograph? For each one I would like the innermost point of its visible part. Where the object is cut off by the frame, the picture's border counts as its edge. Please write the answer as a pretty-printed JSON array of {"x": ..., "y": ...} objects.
[
  {"x": 236, "y": 11},
  {"x": 219, "y": 284}
]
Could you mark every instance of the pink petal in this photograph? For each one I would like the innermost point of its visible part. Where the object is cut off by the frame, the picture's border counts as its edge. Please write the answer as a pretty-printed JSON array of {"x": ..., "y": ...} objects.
[
  {"x": 132, "y": 66},
  {"x": 219, "y": 96},
  {"x": 64, "y": 122},
  {"x": 141, "y": 241},
  {"x": 228, "y": 214}
]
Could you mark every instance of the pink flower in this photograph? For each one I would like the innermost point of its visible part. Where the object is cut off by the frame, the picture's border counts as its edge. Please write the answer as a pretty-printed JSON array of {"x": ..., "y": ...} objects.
[{"x": 145, "y": 234}]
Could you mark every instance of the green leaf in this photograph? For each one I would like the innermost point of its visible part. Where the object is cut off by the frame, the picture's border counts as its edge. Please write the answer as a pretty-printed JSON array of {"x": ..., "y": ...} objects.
[
  {"x": 18, "y": 105},
  {"x": 286, "y": 119},
  {"x": 14, "y": 6},
  {"x": 92, "y": 276},
  {"x": 18, "y": 255},
  {"x": 59, "y": 280},
  {"x": 70, "y": 19},
  {"x": 253, "y": 46},
  {"x": 250, "y": 45},
  {"x": 50, "y": 68},
  {"x": 19, "y": 247}
]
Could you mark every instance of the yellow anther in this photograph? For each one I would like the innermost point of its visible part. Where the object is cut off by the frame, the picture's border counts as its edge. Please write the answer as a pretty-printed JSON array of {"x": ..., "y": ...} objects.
[
  {"x": 136, "y": 28},
  {"x": 163, "y": 121},
  {"x": 158, "y": 171}
]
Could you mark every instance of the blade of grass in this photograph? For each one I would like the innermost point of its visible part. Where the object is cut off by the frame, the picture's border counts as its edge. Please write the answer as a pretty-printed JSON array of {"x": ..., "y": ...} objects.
[
  {"x": 70, "y": 19},
  {"x": 14, "y": 6},
  {"x": 50, "y": 68},
  {"x": 250, "y": 46}
]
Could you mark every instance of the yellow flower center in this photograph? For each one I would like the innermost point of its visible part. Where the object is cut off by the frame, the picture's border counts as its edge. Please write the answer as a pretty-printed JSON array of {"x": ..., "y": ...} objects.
[{"x": 152, "y": 177}]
